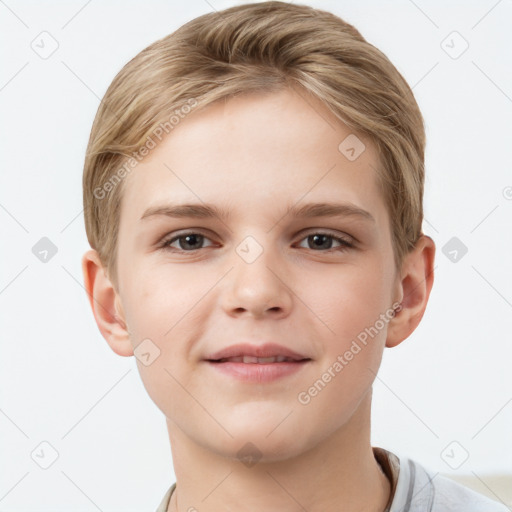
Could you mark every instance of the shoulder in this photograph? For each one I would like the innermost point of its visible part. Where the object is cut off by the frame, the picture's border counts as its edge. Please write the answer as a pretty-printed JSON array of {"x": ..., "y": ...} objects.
[
  {"x": 421, "y": 490},
  {"x": 451, "y": 495}
]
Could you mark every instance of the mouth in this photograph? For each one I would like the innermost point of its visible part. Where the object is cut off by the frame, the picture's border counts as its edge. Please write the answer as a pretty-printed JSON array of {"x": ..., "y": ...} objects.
[
  {"x": 257, "y": 360},
  {"x": 268, "y": 353},
  {"x": 257, "y": 363},
  {"x": 257, "y": 370}
]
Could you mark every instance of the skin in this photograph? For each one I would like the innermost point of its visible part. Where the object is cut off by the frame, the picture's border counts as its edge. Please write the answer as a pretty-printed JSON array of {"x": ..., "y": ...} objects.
[{"x": 256, "y": 155}]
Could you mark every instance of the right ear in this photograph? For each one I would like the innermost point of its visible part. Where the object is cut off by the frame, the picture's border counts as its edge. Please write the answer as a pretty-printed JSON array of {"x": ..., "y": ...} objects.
[{"x": 106, "y": 305}]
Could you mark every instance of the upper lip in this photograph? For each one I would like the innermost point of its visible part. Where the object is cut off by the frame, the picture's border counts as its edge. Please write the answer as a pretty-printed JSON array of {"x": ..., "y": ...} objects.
[{"x": 266, "y": 350}]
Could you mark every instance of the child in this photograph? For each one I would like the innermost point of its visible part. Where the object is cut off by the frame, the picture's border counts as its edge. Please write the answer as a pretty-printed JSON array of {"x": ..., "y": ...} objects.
[{"x": 289, "y": 153}]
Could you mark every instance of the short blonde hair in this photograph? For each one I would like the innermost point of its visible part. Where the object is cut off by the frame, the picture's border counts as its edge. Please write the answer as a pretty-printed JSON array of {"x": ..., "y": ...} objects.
[{"x": 256, "y": 47}]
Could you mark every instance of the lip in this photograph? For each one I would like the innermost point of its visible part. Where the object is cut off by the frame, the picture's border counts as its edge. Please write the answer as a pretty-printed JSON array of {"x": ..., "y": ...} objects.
[
  {"x": 257, "y": 372},
  {"x": 265, "y": 350}
]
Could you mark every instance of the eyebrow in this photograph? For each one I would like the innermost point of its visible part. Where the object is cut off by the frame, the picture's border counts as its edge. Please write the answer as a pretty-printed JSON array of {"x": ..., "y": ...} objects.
[{"x": 309, "y": 210}]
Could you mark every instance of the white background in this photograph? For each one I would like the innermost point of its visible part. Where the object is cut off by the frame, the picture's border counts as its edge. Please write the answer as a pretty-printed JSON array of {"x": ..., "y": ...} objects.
[{"x": 59, "y": 380}]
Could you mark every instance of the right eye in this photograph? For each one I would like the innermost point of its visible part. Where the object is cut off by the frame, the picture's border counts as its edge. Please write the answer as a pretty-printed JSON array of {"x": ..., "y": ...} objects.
[{"x": 186, "y": 242}]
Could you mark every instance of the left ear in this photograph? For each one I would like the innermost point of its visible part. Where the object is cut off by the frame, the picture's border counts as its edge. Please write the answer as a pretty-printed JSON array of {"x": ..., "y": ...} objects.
[{"x": 417, "y": 278}]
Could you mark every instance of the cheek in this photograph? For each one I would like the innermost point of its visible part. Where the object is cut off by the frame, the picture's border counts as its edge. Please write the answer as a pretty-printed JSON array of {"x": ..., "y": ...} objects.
[
  {"x": 171, "y": 308},
  {"x": 160, "y": 302},
  {"x": 161, "y": 313},
  {"x": 351, "y": 306},
  {"x": 346, "y": 299}
]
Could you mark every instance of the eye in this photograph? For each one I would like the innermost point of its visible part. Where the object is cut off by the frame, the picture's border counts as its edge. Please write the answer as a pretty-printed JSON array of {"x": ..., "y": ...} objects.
[
  {"x": 324, "y": 242},
  {"x": 193, "y": 241},
  {"x": 186, "y": 242}
]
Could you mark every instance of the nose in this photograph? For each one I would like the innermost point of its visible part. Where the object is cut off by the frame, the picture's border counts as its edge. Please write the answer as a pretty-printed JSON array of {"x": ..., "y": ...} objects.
[{"x": 258, "y": 289}]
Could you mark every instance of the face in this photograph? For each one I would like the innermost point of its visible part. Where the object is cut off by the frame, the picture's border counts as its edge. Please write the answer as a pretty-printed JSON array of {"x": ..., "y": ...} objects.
[{"x": 257, "y": 265}]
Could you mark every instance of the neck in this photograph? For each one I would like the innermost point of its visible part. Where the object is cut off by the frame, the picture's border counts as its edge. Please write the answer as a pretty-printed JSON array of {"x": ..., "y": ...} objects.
[{"x": 339, "y": 470}]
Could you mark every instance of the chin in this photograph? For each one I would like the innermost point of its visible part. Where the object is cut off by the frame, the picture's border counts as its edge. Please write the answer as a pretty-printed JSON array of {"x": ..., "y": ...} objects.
[
  {"x": 269, "y": 439},
  {"x": 250, "y": 450}
]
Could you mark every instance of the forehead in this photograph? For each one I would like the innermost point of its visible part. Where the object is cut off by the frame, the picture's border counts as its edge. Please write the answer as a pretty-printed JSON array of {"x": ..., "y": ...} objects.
[{"x": 254, "y": 150}]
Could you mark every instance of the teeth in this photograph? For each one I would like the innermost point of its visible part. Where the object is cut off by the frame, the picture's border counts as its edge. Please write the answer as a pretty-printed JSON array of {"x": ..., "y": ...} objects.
[
  {"x": 250, "y": 359},
  {"x": 256, "y": 360},
  {"x": 265, "y": 360}
]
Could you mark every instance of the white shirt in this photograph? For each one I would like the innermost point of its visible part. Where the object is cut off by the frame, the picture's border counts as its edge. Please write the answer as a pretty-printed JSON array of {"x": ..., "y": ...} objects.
[
  {"x": 415, "y": 489},
  {"x": 420, "y": 490}
]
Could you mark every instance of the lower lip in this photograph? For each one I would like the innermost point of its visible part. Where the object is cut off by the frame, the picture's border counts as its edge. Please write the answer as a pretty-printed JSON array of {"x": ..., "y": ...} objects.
[{"x": 256, "y": 372}]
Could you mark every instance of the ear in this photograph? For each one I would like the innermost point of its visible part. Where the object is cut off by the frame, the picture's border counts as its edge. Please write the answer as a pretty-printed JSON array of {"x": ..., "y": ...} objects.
[
  {"x": 106, "y": 305},
  {"x": 416, "y": 280}
]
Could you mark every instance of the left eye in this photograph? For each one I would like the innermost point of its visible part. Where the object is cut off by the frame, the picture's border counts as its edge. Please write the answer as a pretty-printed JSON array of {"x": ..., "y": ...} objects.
[{"x": 325, "y": 241}]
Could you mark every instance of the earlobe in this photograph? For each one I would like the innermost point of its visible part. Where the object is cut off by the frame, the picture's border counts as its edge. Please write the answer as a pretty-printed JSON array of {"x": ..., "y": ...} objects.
[
  {"x": 417, "y": 278},
  {"x": 106, "y": 305}
]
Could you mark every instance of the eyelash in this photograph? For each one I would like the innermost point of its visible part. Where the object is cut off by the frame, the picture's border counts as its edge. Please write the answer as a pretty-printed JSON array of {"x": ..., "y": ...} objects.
[{"x": 165, "y": 243}]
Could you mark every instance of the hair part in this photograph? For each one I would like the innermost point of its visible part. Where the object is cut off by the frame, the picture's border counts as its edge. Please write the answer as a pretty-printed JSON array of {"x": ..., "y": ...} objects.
[{"x": 261, "y": 47}]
